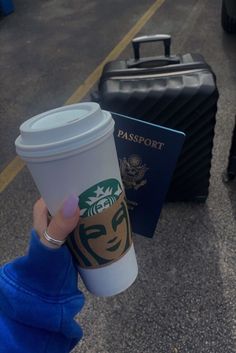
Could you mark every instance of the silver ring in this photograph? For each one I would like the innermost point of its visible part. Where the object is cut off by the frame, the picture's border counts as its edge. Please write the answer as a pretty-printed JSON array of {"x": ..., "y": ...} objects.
[{"x": 52, "y": 240}]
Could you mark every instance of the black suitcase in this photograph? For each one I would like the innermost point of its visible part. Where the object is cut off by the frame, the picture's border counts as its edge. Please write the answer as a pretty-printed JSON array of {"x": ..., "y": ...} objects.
[
  {"x": 231, "y": 169},
  {"x": 178, "y": 92}
]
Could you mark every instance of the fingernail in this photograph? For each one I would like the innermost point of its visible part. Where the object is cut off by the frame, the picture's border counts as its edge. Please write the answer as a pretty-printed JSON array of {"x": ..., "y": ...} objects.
[{"x": 70, "y": 206}]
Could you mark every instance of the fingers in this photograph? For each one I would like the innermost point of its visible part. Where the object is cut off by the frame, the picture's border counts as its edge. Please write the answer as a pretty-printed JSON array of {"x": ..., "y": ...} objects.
[
  {"x": 65, "y": 220},
  {"x": 61, "y": 225},
  {"x": 40, "y": 213}
]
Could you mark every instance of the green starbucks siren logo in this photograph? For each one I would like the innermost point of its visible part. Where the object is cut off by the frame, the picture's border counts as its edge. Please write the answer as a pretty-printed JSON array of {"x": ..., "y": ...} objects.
[
  {"x": 103, "y": 234},
  {"x": 99, "y": 197}
]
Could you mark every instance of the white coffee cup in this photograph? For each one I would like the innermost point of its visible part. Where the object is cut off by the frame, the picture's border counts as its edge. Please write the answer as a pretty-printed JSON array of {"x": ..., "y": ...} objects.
[{"x": 71, "y": 150}]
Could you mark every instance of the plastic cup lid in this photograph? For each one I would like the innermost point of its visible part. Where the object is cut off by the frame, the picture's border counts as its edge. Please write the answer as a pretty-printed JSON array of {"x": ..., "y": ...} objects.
[{"x": 62, "y": 131}]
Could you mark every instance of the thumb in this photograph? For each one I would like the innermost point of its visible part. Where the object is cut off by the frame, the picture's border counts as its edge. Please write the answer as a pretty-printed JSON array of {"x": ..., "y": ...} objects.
[{"x": 65, "y": 220}]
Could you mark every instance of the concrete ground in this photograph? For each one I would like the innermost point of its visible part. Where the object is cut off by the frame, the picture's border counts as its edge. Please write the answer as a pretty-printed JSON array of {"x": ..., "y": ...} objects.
[{"x": 184, "y": 299}]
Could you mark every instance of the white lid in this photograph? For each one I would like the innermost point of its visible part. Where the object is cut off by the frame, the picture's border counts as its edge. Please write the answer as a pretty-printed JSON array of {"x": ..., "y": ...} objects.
[{"x": 63, "y": 131}]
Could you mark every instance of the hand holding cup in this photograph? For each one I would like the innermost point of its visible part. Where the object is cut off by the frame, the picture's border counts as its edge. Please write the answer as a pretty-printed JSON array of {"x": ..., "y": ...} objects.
[{"x": 59, "y": 226}]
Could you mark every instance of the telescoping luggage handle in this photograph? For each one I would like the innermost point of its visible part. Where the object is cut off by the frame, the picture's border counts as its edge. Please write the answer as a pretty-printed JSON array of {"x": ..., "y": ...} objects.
[
  {"x": 156, "y": 61},
  {"x": 165, "y": 38}
]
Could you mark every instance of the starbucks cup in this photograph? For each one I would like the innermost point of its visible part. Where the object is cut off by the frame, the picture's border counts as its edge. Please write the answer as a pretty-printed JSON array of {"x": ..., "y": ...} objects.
[{"x": 71, "y": 150}]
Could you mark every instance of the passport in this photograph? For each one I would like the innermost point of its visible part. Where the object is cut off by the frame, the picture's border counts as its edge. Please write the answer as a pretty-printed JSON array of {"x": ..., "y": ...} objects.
[{"x": 147, "y": 155}]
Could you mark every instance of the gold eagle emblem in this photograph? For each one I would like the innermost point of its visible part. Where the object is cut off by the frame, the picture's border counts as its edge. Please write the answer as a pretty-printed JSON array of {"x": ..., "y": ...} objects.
[{"x": 133, "y": 172}]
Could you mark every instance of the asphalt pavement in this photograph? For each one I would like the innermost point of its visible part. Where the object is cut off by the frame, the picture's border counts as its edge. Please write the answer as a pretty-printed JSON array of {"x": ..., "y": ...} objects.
[{"x": 184, "y": 299}]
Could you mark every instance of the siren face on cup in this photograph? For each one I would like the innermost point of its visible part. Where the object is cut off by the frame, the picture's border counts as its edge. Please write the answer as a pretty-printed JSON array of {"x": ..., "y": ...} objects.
[{"x": 104, "y": 232}]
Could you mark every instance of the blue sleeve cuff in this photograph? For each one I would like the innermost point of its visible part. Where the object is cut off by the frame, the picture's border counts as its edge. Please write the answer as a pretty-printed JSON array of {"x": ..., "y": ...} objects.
[
  {"x": 40, "y": 289},
  {"x": 44, "y": 270}
]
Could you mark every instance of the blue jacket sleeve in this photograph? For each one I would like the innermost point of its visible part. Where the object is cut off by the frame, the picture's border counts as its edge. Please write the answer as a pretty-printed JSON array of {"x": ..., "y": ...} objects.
[{"x": 39, "y": 299}]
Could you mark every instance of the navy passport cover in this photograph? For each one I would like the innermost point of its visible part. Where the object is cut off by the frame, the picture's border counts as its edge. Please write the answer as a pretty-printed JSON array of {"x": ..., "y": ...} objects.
[{"x": 147, "y": 156}]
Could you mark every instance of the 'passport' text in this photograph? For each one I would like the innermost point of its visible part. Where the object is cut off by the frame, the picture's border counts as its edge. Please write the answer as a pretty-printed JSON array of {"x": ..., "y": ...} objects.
[{"x": 140, "y": 139}]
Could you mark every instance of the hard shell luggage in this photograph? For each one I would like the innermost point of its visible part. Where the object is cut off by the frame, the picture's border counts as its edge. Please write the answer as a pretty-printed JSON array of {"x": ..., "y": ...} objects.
[
  {"x": 231, "y": 169},
  {"x": 175, "y": 91}
]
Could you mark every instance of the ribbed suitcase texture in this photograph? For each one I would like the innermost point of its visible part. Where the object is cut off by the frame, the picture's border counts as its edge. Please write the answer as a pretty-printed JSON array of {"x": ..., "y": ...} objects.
[
  {"x": 184, "y": 100},
  {"x": 231, "y": 170}
]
